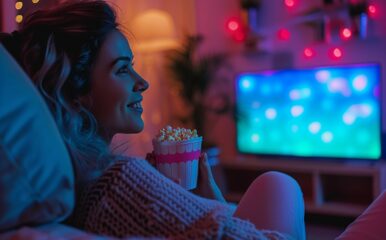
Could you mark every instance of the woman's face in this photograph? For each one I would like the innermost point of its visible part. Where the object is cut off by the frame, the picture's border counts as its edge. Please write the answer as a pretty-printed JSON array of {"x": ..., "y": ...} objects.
[{"x": 116, "y": 88}]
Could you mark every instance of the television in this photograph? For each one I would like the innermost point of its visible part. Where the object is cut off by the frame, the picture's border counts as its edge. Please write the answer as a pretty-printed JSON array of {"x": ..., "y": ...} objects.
[{"x": 331, "y": 112}]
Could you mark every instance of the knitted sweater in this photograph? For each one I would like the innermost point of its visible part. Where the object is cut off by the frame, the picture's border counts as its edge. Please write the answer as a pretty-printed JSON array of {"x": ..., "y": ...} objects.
[{"x": 133, "y": 199}]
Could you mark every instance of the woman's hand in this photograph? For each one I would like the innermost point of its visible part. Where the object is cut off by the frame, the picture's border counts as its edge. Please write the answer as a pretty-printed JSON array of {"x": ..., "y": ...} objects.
[{"x": 206, "y": 185}]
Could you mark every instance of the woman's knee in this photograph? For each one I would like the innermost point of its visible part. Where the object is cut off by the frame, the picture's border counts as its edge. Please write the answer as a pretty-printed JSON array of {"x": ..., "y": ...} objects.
[
  {"x": 278, "y": 204},
  {"x": 276, "y": 180}
]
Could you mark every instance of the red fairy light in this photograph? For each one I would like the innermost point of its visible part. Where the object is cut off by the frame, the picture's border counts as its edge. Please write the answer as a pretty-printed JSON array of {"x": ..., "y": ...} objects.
[
  {"x": 372, "y": 10},
  {"x": 336, "y": 53},
  {"x": 284, "y": 34},
  {"x": 308, "y": 52},
  {"x": 346, "y": 33},
  {"x": 289, "y": 3}
]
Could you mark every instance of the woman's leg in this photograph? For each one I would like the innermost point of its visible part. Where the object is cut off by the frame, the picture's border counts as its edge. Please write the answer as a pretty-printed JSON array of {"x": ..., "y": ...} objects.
[
  {"x": 274, "y": 201},
  {"x": 370, "y": 224}
]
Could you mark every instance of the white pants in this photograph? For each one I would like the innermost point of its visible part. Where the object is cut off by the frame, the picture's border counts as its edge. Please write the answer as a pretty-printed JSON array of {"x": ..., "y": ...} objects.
[
  {"x": 274, "y": 201},
  {"x": 371, "y": 224}
]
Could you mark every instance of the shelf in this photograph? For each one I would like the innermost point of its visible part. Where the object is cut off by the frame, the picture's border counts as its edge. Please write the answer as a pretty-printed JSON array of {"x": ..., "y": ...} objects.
[
  {"x": 338, "y": 209},
  {"x": 335, "y": 188},
  {"x": 356, "y": 168}
]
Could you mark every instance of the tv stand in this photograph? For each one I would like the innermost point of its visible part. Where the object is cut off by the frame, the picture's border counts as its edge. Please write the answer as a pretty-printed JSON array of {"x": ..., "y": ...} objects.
[{"x": 334, "y": 188}]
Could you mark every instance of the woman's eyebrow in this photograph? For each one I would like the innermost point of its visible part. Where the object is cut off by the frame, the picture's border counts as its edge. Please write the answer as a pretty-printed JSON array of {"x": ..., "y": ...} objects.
[{"x": 123, "y": 58}]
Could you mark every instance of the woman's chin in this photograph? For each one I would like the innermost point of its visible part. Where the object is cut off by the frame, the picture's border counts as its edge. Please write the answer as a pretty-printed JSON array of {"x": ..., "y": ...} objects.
[{"x": 135, "y": 128}]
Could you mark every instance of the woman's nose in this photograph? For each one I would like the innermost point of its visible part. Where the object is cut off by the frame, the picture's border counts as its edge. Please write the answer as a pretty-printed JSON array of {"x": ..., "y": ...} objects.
[{"x": 141, "y": 84}]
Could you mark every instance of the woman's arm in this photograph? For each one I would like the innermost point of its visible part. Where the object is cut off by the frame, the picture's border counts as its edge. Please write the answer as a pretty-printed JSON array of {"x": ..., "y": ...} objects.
[{"x": 134, "y": 199}]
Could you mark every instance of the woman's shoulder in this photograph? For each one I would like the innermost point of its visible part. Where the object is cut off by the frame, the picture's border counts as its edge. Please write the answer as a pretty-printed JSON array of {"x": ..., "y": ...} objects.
[
  {"x": 135, "y": 168},
  {"x": 123, "y": 173},
  {"x": 122, "y": 161}
]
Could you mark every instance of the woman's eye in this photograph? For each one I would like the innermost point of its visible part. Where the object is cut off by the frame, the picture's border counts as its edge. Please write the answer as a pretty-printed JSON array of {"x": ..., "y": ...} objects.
[{"x": 124, "y": 69}]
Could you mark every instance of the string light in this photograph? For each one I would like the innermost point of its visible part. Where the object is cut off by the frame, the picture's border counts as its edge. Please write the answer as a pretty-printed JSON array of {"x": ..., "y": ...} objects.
[
  {"x": 18, "y": 5},
  {"x": 19, "y": 18},
  {"x": 235, "y": 29},
  {"x": 346, "y": 33},
  {"x": 336, "y": 53},
  {"x": 308, "y": 52},
  {"x": 289, "y": 3},
  {"x": 233, "y": 25},
  {"x": 35, "y": 1},
  {"x": 283, "y": 34},
  {"x": 372, "y": 10}
]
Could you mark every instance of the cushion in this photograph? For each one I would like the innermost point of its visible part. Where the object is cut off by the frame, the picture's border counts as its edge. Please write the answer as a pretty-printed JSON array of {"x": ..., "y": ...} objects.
[
  {"x": 50, "y": 231},
  {"x": 36, "y": 175}
]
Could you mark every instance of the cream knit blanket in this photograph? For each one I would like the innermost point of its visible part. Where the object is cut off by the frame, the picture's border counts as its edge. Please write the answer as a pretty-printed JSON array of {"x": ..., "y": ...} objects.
[{"x": 132, "y": 199}]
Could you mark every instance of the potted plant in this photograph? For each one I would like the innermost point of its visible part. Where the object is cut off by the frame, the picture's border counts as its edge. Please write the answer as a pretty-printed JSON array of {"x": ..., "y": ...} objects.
[{"x": 193, "y": 76}]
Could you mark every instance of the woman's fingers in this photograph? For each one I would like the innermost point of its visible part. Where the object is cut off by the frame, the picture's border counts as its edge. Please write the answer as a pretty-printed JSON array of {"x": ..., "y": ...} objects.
[{"x": 201, "y": 165}]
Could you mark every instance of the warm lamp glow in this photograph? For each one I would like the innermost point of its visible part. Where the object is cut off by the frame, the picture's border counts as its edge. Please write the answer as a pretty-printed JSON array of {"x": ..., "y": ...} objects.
[
  {"x": 35, "y": 1},
  {"x": 19, "y": 18},
  {"x": 18, "y": 5},
  {"x": 155, "y": 31}
]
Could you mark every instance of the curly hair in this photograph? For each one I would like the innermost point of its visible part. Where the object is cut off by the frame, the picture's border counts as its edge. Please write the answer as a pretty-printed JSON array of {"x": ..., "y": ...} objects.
[{"x": 57, "y": 48}]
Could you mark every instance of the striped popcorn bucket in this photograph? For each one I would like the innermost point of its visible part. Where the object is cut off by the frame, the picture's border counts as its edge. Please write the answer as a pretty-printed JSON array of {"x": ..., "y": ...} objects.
[{"x": 178, "y": 160}]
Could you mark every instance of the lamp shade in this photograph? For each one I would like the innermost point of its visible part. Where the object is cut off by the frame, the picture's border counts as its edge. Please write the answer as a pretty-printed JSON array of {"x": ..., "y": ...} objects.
[{"x": 155, "y": 31}]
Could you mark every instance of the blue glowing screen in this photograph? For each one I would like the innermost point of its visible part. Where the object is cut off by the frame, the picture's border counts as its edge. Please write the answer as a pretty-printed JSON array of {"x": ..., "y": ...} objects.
[{"x": 331, "y": 112}]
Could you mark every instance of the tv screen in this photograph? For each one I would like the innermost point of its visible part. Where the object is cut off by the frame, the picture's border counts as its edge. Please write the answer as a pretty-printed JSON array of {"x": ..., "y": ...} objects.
[{"x": 321, "y": 112}]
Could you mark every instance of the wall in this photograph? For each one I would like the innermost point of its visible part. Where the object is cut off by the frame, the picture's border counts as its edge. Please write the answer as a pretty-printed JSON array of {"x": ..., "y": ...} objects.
[
  {"x": 210, "y": 21},
  {"x": 7, "y": 16}
]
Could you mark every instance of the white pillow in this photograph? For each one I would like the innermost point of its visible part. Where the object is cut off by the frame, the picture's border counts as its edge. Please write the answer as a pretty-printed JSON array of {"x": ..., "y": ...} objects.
[{"x": 36, "y": 175}]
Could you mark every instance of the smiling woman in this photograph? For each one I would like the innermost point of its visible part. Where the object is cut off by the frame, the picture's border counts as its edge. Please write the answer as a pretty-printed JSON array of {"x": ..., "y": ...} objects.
[
  {"x": 116, "y": 94},
  {"x": 83, "y": 66}
]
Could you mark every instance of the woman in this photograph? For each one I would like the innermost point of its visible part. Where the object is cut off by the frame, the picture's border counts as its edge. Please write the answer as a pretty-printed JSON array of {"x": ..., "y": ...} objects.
[{"x": 82, "y": 64}]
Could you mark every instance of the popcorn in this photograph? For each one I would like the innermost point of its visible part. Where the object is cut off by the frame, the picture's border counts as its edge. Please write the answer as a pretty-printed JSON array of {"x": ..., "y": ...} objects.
[{"x": 175, "y": 134}]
